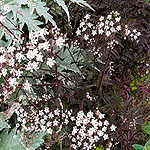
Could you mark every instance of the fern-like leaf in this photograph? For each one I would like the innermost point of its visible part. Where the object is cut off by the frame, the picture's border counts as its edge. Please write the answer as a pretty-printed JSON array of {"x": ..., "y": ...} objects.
[
  {"x": 43, "y": 11},
  {"x": 82, "y": 3},
  {"x": 65, "y": 8}
]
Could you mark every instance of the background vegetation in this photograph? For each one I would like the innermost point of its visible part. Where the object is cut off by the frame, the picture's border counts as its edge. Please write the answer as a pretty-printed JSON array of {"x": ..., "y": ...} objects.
[{"x": 72, "y": 70}]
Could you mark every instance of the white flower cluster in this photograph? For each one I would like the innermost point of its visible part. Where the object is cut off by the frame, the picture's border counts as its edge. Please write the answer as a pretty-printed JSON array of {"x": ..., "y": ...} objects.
[
  {"x": 89, "y": 129},
  {"x": 59, "y": 37},
  {"x": 104, "y": 30},
  {"x": 40, "y": 120},
  {"x": 89, "y": 97},
  {"x": 132, "y": 34},
  {"x": 24, "y": 58}
]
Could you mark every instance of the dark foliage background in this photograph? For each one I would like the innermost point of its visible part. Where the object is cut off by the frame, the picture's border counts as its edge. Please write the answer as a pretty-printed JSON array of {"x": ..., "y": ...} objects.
[
  {"x": 122, "y": 96},
  {"x": 115, "y": 95}
]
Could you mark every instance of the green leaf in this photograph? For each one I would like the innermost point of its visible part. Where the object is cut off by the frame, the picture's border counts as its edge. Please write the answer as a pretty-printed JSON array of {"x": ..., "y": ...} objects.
[
  {"x": 29, "y": 19},
  {"x": 132, "y": 83},
  {"x": 11, "y": 141},
  {"x": 37, "y": 140},
  {"x": 147, "y": 145},
  {"x": 138, "y": 147},
  {"x": 100, "y": 147},
  {"x": 82, "y": 3},
  {"x": 65, "y": 8},
  {"x": 66, "y": 62},
  {"x": 146, "y": 128},
  {"x": 42, "y": 11},
  {"x": 134, "y": 88}
]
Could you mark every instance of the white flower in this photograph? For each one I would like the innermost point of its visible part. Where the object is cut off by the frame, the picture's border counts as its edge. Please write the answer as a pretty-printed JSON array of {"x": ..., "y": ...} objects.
[
  {"x": 79, "y": 143},
  {"x": 117, "y": 19},
  {"x": 101, "y": 116},
  {"x": 45, "y": 117},
  {"x": 78, "y": 32},
  {"x": 106, "y": 123},
  {"x": 101, "y": 25},
  {"x": 55, "y": 122},
  {"x": 94, "y": 32},
  {"x": 100, "y": 133},
  {"x": 90, "y": 114},
  {"x": 101, "y": 18},
  {"x": 109, "y": 17},
  {"x": 48, "y": 124},
  {"x": 112, "y": 29},
  {"x": 91, "y": 131},
  {"x": 50, "y": 62},
  {"x": 96, "y": 138},
  {"x": 131, "y": 35},
  {"x": 90, "y": 25},
  {"x": 49, "y": 130},
  {"x": 56, "y": 112},
  {"x": 78, "y": 123},
  {"x": 106, "y": 22},
  {"x": 66, "y": 121},
  {"x": 73, "y": 140},
  {"x": 111, "y": 23},
  {"x": 106, "y": 27},
  {"x": 84, "y": 29},
  {"x": 46, "y": 110},
  {"x": 94, "y": 123},
  {"x": 82, "y": 24},
  {"x": 138, "y": 33},
  {"x": 100, "y": 123},
  {"x": 87, "y": 16},
  {"x": 31, "y": 54},
  {"x": 50, "y": 115},
  {"x": 60, "y": 42},
  {"x": 6, "y": 7},
  {"x": 86, "y": 37},
  {"x": 108, "y": 33},
  {"x": 116, "y": 13},
  {"x": 105, "y": 136},
  {"x": 44, "y": 32},
  {"x": 11, "y": 49},
  {"x": 2, "y": 59},
  {"x": 113, "y": 127},
  {"x": 134, "y": 31},
  {"x": 104, "y": 129},
  {"x": 39, "y": 57},
  {"x": 20, "y": 56},
  {"x": 41, "y": 112},
  {"x": 101, "y": 31},
  {"x": 13, "y": 82},
  {"x": 18, "y": 73},
  {"x": 4, "y": 71},
  {"x": 43, "y": 121},
  {"x": 75, "y": 130},
  {"x": 32, "y": 66},
  {"x": 73, "y": 118},
  {"x": 85, "y": 144},
  {"x": 127, "y": 32},
  {"x": 44, "y": 46},
  {"x": 135, "y": 37},
  {"x": 85, "y": 121},
  {"x": 74, "y": 146},
  {"x": 118, "y": 28}
]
